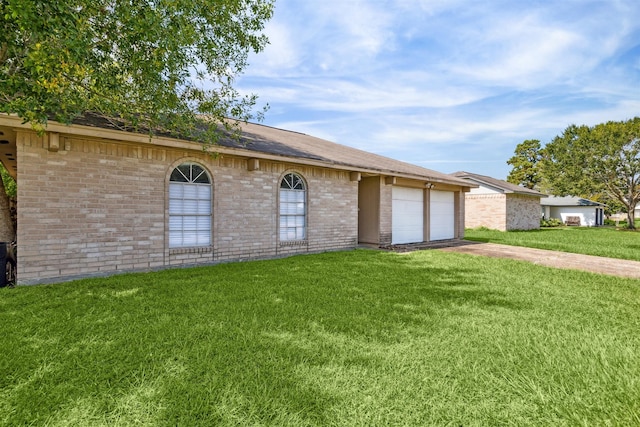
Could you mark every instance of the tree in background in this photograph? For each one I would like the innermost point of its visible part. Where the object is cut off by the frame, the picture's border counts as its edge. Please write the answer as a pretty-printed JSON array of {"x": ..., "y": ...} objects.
[
  {"x": 9, "y": 183},
  {"x": 603, "y": 159},
  {"x": 10, "y": 197},
  {"x": 526, "y": 164},
  {"x": 159, "y": 65},
  {"x": 7, "y": 226}
]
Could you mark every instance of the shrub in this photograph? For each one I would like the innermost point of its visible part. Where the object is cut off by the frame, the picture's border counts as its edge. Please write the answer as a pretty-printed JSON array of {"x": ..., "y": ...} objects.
[{"x": 551, "y": 222}]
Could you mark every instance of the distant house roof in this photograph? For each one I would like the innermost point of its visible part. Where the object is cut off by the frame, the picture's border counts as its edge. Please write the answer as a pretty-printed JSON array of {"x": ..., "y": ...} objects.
[
  {"x": 569, "y": 201},
  {"x": 497, "y": 184},
  {"x": 299, "y": 146}
]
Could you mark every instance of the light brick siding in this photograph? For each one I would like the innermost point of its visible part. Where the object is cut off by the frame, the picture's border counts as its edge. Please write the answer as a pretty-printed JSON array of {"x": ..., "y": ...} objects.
[
  {"x": 523, "y": 212},
  {"x": 461, "y": 207},
  {"x": 485, "y": 210},
  {"x": 385, "y": 213},
  {"x": 99, "y": 207},
  {"x": 502, "y": 211}
]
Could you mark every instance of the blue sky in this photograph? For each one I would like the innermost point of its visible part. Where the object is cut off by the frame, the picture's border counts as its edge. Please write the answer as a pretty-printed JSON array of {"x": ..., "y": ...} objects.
[{"x": 449, "y": 85}]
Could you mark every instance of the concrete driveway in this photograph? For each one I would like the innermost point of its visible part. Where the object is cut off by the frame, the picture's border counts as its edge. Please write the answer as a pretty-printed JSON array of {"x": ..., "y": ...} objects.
[{"x": 594, "y": 264}]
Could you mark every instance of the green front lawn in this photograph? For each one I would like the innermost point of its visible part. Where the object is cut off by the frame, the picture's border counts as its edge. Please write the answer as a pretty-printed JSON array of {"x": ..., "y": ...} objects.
[
  {"x": 600, "y": 241},
  {"x": 358, "y": 338}
]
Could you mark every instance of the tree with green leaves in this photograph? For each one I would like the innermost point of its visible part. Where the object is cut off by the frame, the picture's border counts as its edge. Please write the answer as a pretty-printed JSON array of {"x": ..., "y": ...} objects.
[
  {"x": 526, "y": 164},
  {"x": 601, "y": 159},
  {"x": 151, "y": 64}
]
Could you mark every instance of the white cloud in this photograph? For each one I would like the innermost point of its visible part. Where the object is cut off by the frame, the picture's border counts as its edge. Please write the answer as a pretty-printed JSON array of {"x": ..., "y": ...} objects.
[
  {"x": 308, "y": 38},
  {"x": 413, "y": 78},
  {"x": 529, "y": 57},
  {"x": 280, "y": 54},
  {"x": 432, "y": 7},
  {"x": 401, "y": 91},
  {"x": 364, "y": 24}
]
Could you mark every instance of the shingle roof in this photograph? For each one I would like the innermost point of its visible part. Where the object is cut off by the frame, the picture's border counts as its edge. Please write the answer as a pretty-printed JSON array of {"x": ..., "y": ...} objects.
[
  {"x": 497, "y": 184},
  {"x": 298, "y": 145},
  {"x": 569, "y": 201},
  {"x": 289, "y": 144}
]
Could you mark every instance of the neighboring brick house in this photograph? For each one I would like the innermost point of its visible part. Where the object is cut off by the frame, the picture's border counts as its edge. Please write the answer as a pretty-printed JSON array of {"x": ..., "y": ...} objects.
[
  {"x": 95, "y": 200},
  {"x": 500, "y": 205}
]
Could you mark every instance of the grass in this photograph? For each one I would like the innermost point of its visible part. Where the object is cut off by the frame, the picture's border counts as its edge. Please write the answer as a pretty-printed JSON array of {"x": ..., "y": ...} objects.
[
  {"x": 600, "y": 241},
  {"x": 355, "y": 338}
]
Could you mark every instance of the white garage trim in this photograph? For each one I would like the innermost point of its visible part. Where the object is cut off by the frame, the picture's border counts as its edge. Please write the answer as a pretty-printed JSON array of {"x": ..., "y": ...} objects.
[
  {"x": 407, "y": 215},
  {"x": 442, "y": 215}
]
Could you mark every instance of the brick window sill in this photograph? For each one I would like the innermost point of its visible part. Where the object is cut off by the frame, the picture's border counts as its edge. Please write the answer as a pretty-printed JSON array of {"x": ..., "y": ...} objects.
[
  {"x": 294, "y": 243},
  {"x": 195, "y": 250}
]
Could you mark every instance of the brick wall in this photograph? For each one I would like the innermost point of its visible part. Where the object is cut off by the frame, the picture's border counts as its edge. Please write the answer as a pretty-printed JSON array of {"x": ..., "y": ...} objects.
[
  {"x": 385, "y": 213},
  {"x": 485, "y": 210},
  {"x": 502, "y": 211},
  {"x": 523, "y": 212},
  {"x": 460, "y": 220},
  {"x": 99, "y": 207}
]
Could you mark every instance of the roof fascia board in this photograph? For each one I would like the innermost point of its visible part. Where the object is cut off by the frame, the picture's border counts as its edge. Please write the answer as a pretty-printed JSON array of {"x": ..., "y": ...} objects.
[
  {"x": 145, "y": 139},
  {"x": 502, "y": 189}
]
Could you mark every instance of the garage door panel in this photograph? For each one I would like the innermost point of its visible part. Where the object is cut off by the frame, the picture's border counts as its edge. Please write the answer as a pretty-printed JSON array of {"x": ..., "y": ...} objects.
[
  {"x": 442, "y": 215},
  {"x": 407, "y": 215}
]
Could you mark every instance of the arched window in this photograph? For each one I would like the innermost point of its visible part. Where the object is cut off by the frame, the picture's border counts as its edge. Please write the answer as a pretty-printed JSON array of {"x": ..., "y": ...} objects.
[
  {"x": 293, "y": 208},
  {"x": 189, "y": 206}
]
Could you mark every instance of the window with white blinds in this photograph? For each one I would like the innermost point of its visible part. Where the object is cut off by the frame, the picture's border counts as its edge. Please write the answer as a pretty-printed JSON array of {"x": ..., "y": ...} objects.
[
  {"x": 189, "y": 207},
  {"x": 293, "y": 208}
]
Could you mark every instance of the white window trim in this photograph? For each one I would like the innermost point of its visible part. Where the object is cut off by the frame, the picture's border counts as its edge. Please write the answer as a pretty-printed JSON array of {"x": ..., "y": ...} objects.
[
  {"x": 190, "y": 207},
  {"x": 292, "y": 208}
]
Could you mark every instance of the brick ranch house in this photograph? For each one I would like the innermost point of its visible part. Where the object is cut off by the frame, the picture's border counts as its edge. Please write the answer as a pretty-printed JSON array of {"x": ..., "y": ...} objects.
[
  {"x": 95, "y": 200},
  {"x": 500, "y": 205}
]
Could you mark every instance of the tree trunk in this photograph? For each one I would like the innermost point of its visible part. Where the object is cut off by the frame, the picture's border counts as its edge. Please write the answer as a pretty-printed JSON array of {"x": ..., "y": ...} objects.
[
  {"x": 7, "y": 233},
  {"x": 630, "y": 219}
]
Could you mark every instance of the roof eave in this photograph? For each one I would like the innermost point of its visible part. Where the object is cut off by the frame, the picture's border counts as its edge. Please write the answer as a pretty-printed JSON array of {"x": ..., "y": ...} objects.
[
  {"x": 146, "y": 139},
  {"x": 502, "y": 189}
]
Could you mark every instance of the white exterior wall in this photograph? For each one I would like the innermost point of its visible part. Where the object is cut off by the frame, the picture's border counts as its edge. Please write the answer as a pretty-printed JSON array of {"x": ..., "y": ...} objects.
[
  {"x": 587, "y": 214},
  {"x": 484, "y": 190}
]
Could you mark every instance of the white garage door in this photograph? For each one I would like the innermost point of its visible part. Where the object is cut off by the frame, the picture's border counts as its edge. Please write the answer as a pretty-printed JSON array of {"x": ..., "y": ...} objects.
[
  {"x": 407, "y": 215},
  {"x": 442, "y": 215}
]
